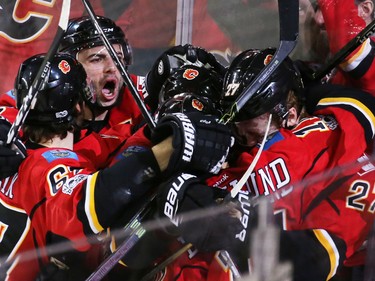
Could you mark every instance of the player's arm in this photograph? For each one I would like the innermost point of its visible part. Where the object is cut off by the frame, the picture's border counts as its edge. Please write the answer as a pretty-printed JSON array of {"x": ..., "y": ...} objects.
[
  {"x": 315, "y": 254},
  {"x": 183, "y": 142},
  {"x": 352, "y": 108}
]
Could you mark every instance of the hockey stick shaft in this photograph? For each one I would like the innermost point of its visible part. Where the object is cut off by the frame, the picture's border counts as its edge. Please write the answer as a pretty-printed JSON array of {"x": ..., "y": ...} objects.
[
  {"x": 120, "y": 66},
  {"x": 166, "y": 262},
  {"x": 288, "y": 19},
  {"x": 136, "y": 232},
  {"x": 345, "y": 51},
  {"x": 40, "y": 76}
]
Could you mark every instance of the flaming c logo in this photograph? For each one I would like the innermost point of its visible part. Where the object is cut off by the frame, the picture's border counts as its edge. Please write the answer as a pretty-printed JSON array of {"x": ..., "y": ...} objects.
[
  {"x": 268, "y": 59},
  {"x": 197, "y": 104},
  {"x": 190, "y": 74},
  {"x": 64, "y": 66}
]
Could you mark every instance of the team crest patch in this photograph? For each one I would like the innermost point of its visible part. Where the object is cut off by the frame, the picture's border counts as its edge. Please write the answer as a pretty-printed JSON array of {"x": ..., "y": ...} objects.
[
  {"x": 197, "y": 104},
  {"x": 190, "y": 74},
  {"x": 56, "y": 154},
  {"x": 64, "y": 66},
  {"x": 268, "y": 59}
]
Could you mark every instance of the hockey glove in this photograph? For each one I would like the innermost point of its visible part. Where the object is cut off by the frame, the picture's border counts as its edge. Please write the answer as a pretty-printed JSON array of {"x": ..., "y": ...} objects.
[
  {"x": 195, "y": 213},
  {"x": 200, "y": 142},
  {"x": 10, "y": 160},
  {"x": 171, "y": 60}
]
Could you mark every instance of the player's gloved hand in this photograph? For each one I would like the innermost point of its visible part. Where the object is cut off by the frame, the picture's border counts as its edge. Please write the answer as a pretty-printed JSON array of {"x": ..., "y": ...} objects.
[
  {"x": 10, "y": 160},
  {"x": 196, "y": 212},
  {"x": 171, "y": 60},
  {"x": 200, "y": 143}
]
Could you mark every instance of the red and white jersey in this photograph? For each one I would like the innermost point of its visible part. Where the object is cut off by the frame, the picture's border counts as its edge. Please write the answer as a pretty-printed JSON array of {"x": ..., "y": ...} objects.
[
  {"x": 51, "y": 198},
  {"x": 336, "y": 137},
  {"x": 343, "y": 23},
  {"x": 345, "y": 208}
]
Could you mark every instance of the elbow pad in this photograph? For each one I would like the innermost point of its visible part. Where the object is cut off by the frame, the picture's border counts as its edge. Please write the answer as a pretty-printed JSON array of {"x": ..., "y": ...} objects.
[{"x": 123, "y": 183}]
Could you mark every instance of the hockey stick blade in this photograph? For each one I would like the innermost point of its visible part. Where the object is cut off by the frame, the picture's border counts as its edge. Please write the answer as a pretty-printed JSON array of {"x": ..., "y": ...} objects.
[
  {"x": 120, "y": 66},
  {"x": 288, "y": 18},
  {"x": 40, "y": 77},
  {"x": 345, "y": 51}
]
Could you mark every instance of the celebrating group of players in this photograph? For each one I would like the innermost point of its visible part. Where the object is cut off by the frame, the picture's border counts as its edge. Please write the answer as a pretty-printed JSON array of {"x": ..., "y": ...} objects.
[{"x": 92, "y": 162}]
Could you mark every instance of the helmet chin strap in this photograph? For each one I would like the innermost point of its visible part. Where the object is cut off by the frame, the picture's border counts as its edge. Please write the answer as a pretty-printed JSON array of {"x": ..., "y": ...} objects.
[{"x": 249, "y": 170}]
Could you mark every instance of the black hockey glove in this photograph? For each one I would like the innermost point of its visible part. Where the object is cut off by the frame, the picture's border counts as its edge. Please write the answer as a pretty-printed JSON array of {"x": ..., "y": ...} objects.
[
  {"x": 200, "y": 142},
  {"x": 10, "y": 160},
  {"x": 171, "y": 60},
  {"x": 197, "y": 214}
]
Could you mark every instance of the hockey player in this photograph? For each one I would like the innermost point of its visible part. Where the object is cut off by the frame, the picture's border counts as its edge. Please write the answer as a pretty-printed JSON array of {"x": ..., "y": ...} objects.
[
  {"x": 110, "y": 102},
  {"x": 109, "y": 106},
  {"x": 336, "y": 134},
  {"x": 57, "y": 196}
]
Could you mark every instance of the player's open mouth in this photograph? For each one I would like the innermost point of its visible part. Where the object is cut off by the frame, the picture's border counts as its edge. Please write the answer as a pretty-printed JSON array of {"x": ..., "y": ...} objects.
[{"x": 109, "y": 89}]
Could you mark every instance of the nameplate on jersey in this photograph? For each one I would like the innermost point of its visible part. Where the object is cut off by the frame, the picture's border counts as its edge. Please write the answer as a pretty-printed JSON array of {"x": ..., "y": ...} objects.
[{"x": 52, "y": 155}]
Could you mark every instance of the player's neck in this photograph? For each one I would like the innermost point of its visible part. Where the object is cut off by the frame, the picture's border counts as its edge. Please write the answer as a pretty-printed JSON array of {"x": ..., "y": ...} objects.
[{"x": 56, "y": 141}]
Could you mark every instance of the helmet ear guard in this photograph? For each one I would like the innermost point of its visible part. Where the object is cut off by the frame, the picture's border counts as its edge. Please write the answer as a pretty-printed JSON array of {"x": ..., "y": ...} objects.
[{"x": 272, "y": 97}]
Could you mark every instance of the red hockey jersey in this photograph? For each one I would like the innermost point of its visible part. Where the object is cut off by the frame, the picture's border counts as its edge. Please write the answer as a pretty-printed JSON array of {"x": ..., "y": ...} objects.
[
  {"x": 336, "y": 137},
  {"x": 49, "y": 185}
]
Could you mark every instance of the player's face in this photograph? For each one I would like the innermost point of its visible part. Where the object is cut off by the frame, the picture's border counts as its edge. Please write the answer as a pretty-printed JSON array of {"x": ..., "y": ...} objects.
[
  {"x": 251, "y": 132},
  {"x": 103, "y": 75},
  {"x": 313, "y": 33}
]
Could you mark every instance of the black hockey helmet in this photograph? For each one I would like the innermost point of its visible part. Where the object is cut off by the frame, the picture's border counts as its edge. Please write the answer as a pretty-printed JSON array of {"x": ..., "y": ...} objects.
[
  {"x": 170, "y": 61},
  {"x": 64, "y": 86},
  {"x": 269, "y": 98},
  {"x": 191, "y": 79},
  {"x": 191, "y": 88},
  {"x": 82, "y": 34}
]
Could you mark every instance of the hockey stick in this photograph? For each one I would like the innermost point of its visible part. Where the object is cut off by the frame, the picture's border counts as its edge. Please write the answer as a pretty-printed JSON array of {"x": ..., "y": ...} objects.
[
  {"x": 120, "y": 66},
  {"x": 40, "y": 77},
  {"x": 288, "y": 20},
  {"x": 164, "y": 263},
  {"x": 136, "y": 232},
  {"x": 345, "y": 51},
  {"x": 288, "y": 36}
]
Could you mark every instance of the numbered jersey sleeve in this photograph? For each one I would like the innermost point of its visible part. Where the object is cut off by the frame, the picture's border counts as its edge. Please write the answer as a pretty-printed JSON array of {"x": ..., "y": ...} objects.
[{"x": 345, "y": 208}]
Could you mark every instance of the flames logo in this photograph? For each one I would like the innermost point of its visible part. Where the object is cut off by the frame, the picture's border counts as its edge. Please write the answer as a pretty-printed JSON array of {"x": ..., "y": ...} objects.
[
  {"x": 190, "y": 74},
  {"x": 197, "y": 104},
  {"x": 64, "y": 66},
  {"x": 268, "y": 59}
]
